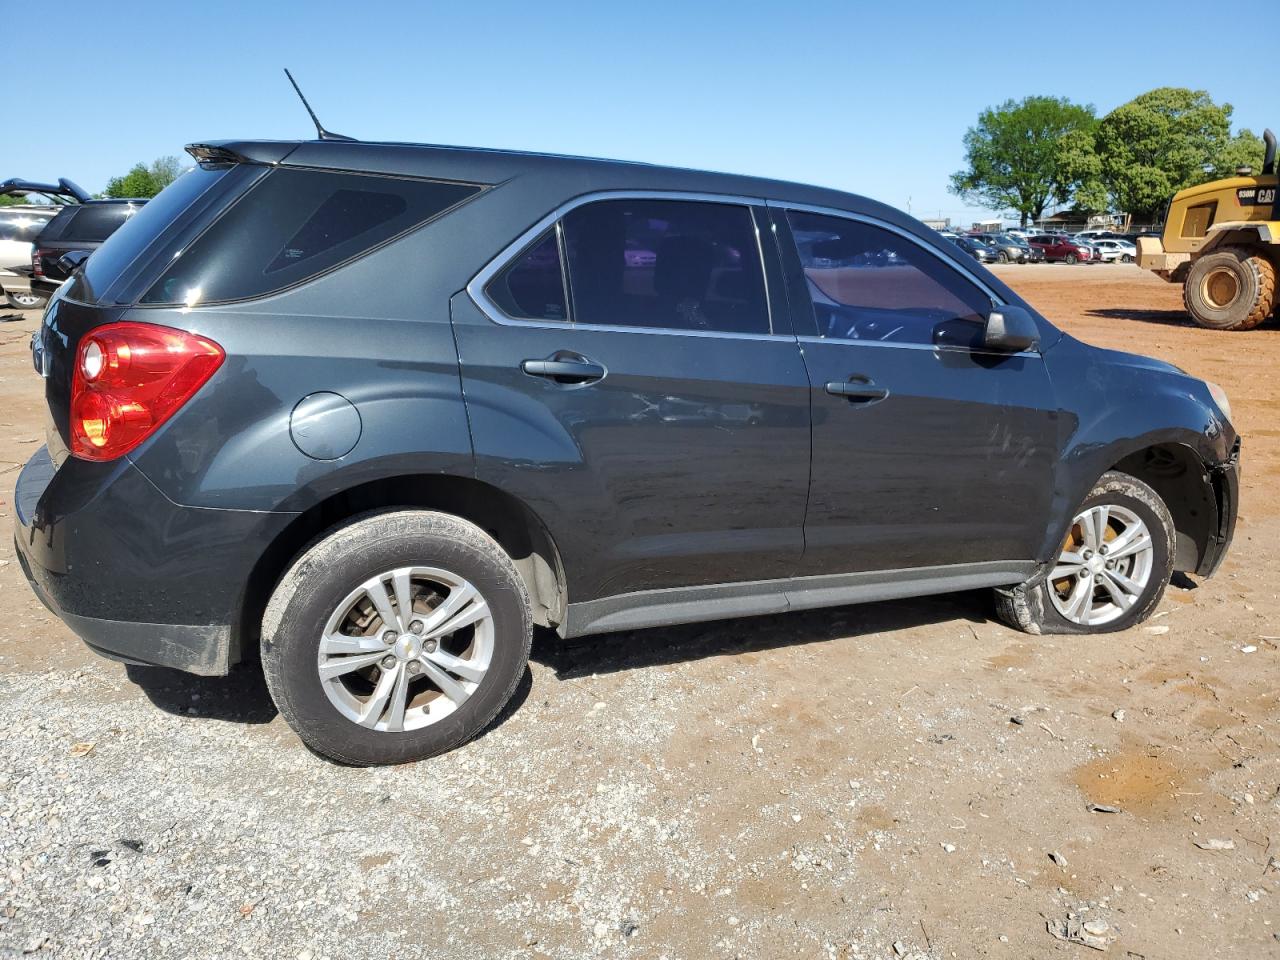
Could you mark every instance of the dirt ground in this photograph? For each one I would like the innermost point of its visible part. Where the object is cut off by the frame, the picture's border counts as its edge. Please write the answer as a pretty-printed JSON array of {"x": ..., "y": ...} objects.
[{"x": 823, "y": 784}]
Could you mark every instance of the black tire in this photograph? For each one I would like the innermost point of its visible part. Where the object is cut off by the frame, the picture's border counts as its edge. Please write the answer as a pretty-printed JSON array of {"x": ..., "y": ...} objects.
[
  {"x": 329, "y": 570},
  {"x": 1072, "y": 258},
  {"x": 1029, "y": 607},
  {"x": 26, "y": 301},
  {"x": 1002, "y": 257},
  {"x": 1230, "y": 289},
  {"x": 1126, "y": 258}
]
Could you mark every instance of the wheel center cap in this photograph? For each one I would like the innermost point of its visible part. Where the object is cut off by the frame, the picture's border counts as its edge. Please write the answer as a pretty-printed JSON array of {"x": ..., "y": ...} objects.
[
  {"x": 1097, "y": 563},
  {"x": 408, "y": 647}
]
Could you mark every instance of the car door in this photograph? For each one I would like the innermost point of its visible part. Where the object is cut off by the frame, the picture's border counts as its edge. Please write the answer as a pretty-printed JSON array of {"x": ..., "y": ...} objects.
[
  {"x": 629, "y": 376},
  {"x": 928, "y": 450}
]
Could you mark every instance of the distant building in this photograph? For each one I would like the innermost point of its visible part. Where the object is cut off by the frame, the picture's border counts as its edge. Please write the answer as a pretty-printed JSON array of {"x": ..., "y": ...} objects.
[
  {"x": 988, "y": 226},
  {"x": 944, "y": 224}
]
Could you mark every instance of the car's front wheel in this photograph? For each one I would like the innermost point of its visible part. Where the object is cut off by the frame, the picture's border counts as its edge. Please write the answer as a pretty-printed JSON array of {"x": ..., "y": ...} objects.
[
  {"x": 396, "y": 637},
  {"x": 1112, "y": 569}
]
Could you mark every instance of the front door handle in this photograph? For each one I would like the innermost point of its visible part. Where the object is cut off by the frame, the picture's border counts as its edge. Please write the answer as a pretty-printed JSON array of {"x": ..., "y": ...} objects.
[
  {"x": 565, "y": 369},
  {"x": 857, "y": 389}
]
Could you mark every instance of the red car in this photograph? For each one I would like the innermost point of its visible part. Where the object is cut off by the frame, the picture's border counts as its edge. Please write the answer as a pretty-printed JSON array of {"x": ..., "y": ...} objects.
[{"x": 1057, "y": 247}]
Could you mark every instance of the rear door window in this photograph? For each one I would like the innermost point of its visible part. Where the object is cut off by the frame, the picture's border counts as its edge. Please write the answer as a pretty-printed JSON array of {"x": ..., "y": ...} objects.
[
  {"x": 295, "y": 225},
  {"x": 672, "y": 264}
]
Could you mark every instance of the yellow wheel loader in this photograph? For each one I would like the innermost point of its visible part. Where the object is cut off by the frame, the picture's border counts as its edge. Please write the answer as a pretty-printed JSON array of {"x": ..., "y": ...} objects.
[{"x": 1221, "y": 241}]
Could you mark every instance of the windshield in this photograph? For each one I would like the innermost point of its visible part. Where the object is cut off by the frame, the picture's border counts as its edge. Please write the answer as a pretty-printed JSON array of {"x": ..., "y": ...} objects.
[{"x": 110, "y": 260}]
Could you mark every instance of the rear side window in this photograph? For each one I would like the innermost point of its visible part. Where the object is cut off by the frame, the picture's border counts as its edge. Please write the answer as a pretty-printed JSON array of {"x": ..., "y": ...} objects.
[
  {"x": 671, "y": 264},
  {"x": 868, "y": 283},
  {"x": 293, "y": 226},
  {"x": 94, "y": 222}
]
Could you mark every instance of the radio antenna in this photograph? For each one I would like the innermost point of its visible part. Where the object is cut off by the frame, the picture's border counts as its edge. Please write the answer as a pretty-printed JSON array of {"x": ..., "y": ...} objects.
[{"x": 321, "y": 132}]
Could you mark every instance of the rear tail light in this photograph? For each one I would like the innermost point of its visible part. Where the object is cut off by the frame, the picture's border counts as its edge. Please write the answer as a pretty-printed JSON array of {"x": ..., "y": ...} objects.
[
  {"x": 37, "y": 266},
  {"x": 129, "y": 379}
]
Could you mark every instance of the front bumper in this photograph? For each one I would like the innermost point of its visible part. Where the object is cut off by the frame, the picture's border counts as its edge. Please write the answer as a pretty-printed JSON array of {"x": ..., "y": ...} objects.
[
  {"x": 1225, "y": 477},
  {"x": 136, "y": 576}
]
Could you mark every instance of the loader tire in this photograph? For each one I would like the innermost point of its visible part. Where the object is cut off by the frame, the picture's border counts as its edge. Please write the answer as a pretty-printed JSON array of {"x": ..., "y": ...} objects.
[{"x": 1230, "y": 289}]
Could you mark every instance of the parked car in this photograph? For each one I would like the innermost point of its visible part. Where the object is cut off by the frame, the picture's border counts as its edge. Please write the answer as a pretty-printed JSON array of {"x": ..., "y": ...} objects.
[
  {"x": 1006, "y": 248},
  {"x": 976, "y": 249},
  {"x": 368, "y": 413},
  {"x": 1059, "y": 247},
  {"x": 19, "y": 226},
  {"x": 74, "y": 233},
  {"x": 1110, "y": 251},
  {"x": 1034, "y": 254}
]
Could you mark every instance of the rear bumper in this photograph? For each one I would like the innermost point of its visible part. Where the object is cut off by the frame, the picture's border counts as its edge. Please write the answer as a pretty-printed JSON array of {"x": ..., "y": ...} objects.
[
  {"x": 136, "y": 576},
  {"x": 14, "y": 282}
]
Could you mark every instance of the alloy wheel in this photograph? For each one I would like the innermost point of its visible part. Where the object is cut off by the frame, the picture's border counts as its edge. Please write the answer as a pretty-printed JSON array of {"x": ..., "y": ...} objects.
[
  {"x": 406, "y": 648},
  {"x": 26, "y": 301},
  {"x": 1105, "y": 566}
]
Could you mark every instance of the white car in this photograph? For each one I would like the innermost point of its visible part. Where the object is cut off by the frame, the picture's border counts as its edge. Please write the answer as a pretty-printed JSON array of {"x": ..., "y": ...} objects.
[
  {"x": 19, "y": 226},
  {"x": 1109, "y": 251}
]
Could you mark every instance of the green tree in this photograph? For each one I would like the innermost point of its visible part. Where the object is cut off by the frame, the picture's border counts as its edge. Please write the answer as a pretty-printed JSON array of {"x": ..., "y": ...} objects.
[
  {"x": 1014, "y": 156},
  {"x": 143, "y": 180},
  {"x": 1245, "y": 149},
  {"x": 165, "y": 170},
  {"x": 1081, "y": 169},
  {"x": 1160, "y": 142}
]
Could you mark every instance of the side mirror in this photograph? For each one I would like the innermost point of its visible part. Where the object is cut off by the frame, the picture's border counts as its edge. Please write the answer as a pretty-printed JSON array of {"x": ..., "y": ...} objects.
[{"x": 1010, "y": 329}]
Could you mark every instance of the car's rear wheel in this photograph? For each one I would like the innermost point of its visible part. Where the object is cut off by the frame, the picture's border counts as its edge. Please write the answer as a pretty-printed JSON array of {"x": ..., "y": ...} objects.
[
  {"x": 1113, "y": 565},
  {"x": 25, "y": 300},
  {"x": 396, "y": 637}
]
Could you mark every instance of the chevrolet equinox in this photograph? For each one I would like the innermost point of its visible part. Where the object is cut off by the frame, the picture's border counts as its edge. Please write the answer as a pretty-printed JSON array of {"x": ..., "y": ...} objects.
[{"x": 367, "y": 413}]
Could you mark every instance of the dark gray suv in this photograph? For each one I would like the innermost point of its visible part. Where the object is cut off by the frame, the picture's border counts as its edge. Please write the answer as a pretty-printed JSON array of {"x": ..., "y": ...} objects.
[{"x": 371, "y": 412}]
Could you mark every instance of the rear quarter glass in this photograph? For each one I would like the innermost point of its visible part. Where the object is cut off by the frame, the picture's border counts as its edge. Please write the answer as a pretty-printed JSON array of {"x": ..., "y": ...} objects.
[{"x": 294, "y": 225}]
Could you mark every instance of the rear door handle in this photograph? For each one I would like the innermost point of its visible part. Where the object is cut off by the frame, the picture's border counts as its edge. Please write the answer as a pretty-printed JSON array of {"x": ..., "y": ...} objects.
[
  {"x": 565, "y": 369},
  {"x": 857, "y": 389}
]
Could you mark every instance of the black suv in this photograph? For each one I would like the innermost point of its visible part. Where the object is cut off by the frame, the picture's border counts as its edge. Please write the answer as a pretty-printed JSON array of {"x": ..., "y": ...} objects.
[
  {"x": 71, "y": 236},
  {"x": 371, "y": 412}
]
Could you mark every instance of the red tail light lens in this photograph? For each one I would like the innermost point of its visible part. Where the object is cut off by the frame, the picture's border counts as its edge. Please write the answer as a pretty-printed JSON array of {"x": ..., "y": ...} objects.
[
  {"x": 129, "y": 379},
  {"x": 37, "y": 267}
]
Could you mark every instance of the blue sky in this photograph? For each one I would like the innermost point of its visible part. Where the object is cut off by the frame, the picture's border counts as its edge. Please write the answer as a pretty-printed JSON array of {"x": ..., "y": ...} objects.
[{"x": 872, "y": 98}]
